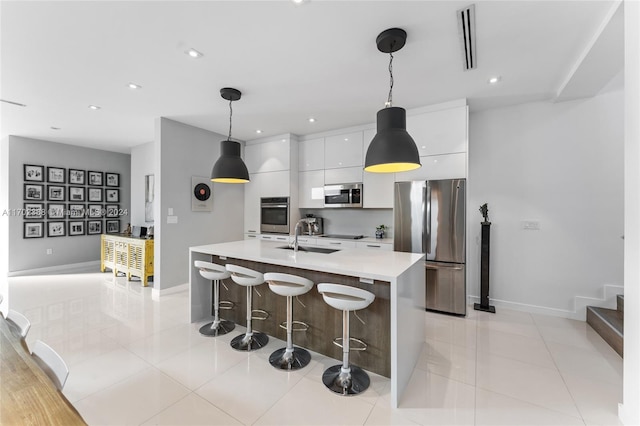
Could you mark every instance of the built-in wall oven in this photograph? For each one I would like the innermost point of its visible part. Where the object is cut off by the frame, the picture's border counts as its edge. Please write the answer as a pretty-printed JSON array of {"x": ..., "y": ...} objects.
[{"x": 274, "y": 215}]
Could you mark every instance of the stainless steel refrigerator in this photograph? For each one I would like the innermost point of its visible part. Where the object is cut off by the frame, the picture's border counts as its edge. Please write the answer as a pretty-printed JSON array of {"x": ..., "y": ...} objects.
[{"x": 429, "y": 217}]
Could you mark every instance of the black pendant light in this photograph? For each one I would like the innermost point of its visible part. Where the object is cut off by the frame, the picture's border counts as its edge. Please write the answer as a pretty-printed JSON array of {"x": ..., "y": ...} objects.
[
  {"x": 230, "y": 168},
  {"x": 392, "y": 148}
]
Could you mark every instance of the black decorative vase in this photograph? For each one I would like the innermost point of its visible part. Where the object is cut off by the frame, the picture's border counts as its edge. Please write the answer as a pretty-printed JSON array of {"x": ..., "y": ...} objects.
[{"x": 484, "y": 270}]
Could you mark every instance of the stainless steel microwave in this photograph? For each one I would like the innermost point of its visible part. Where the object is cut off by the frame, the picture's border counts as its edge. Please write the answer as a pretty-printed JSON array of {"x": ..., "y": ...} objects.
[
  {"x": 344, "y": 195},
  {"x": 274, "y": 215}
]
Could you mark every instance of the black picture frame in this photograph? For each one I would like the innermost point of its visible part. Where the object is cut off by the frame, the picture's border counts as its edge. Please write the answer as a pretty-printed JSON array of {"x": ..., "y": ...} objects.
[
  {"x": 33, "y": 173},
  {"x": 113, "y": 226},
  {"x": 56, "y": 229},
  {"x": 94, "y": 178},
  {"x": 77, "y": 177},
  {"x": 56, "y": 211},
  {"x": 34, "y": 211},
  {"x": 76, "y": 227},
  {"x": 56, "y": 175},
  {"x": 76, "y": 194},
  {"x": 112, "y": 210},
  {"x": 33, "y": 192},
  {"x": 112, "y": 179},
  {"x": 77, "y": 211},
  {"x": 56, "y": 193},
  {"x": 95, "y": 211},
  {"x": 33, "y": 230},
  {"x": 94, "y": 227},
  {"x": 94, "y": 195},
  {"x": 112, "y": 195}
]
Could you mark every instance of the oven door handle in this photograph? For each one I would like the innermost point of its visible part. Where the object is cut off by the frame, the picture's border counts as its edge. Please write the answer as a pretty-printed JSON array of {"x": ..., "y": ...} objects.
[{"x": 274, "y": 206}]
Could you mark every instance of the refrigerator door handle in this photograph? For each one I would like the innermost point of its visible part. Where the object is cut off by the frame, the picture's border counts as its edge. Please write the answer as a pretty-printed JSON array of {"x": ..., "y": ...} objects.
[
  {"x": 447, "y": 267},
  {"x": 427, "y": 217}
]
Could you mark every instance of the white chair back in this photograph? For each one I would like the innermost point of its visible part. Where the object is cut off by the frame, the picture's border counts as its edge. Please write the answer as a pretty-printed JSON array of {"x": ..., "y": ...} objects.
[
  {"x": 19, "y": 321},
  {"x": 56, "y": 368}
]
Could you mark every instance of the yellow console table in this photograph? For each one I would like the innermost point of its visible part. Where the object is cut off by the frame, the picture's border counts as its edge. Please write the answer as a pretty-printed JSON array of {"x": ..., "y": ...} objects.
[{"x": 130, "y": 255}]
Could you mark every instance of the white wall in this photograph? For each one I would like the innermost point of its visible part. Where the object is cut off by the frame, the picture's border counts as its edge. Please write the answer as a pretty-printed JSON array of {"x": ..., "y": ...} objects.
[
  {"x": 182, "y": 151},
  {"x": 142, "y": 164},
  {"x": 27, "y": 254},
  {"x": 562, "y": 166},
  {"x": 630, "y": 409}
]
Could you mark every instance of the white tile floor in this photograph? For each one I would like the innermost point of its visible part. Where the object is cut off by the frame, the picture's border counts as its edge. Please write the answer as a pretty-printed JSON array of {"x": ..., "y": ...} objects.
[{"x": 137, "y": 361}]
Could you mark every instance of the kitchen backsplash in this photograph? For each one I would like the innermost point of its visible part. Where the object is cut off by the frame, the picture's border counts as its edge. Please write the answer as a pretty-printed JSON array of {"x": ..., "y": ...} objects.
[{"x": 353, "y": 221}]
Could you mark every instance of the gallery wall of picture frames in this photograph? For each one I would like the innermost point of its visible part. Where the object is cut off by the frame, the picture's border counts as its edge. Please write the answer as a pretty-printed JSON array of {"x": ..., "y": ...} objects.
[{"x": 60, "y": 202}]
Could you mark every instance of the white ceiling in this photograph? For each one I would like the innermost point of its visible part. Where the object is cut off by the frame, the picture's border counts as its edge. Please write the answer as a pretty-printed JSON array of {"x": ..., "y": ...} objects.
[{"x": 290, "y": 61}]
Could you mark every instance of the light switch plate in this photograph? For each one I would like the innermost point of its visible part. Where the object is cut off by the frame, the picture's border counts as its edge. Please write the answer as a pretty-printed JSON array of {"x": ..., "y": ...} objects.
[
  {"x": 172, "y": 219},
  {"x": 531, "y": 225}
]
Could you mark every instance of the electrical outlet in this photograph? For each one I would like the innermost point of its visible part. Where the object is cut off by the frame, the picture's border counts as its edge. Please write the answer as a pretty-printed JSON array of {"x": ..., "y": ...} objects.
[
  {"x": 531, "y": 225},
  {"x": 49, "y": 251}
]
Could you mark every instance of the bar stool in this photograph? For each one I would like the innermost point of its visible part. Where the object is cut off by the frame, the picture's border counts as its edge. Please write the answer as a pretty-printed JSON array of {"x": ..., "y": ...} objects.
[
  {"x": 214, "y": 273},
  {"x": 289, "y": 358},
  {"x": 248, "y": 278},
  {"x": 345, "y": 379}
]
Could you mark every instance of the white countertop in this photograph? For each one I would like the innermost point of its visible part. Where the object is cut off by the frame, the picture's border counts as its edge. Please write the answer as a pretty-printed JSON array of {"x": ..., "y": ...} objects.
[{"x": 379, "y": 265}]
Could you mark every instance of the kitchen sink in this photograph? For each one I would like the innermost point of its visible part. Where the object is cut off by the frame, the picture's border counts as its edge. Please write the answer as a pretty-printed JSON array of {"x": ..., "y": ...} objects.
[{"x": 311, "y": 249}]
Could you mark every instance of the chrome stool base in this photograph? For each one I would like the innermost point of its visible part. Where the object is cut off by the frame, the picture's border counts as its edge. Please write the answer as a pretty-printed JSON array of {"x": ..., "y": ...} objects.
[
  {"x": 249, "y": 343},
  {"x": 223, "y": 327},
  {"x": 290, "y": 361},
  {"x": 353, "y": 383}
]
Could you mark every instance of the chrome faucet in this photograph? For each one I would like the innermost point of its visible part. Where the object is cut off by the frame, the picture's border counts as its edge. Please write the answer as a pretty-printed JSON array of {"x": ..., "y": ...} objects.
[{"x": 295, "y": 239}]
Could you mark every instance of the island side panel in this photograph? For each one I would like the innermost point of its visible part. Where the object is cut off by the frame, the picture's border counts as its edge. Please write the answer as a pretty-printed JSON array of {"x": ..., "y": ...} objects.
[
  {"x": 325, "y": 322},
  {"x": 407, "y": 327},
  {"x": 200, "y": 296}
]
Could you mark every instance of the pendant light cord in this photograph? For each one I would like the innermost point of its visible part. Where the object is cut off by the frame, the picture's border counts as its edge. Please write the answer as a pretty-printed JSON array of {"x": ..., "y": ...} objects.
[
  {"x": 230, "y": 115},
  {"x": 390, "y": 98}
]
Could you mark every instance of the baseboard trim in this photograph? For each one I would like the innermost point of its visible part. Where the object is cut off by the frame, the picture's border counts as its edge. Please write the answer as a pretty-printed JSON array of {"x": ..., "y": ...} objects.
[
  {"x": 93, "y": 265},
  {"x": 157, "y": 293},
  {"x": 524, "y": 307}
]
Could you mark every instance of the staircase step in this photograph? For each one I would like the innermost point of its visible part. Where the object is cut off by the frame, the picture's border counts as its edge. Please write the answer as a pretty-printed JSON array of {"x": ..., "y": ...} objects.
[
  {"x": 620, "y": 303},
  {"x": 608, "y": 323}
]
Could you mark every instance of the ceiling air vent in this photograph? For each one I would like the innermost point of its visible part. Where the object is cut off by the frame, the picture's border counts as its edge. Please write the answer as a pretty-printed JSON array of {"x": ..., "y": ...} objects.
[{"x": 467, "y": 32}]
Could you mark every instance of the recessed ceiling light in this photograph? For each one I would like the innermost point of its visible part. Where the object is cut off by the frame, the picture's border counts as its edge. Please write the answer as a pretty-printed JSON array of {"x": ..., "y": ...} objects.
[
  {"x": 258, "y": 131},
  {"x": 193, "y": 53},
  {"x": 494, "y": 80},
  {"x": 94, "y": 107},
  {"x": 55, "y": 128},
  {"x": 312, "y": 120},
  {"x": 299, "y": 1},
  {"x": 134, "y": 86}
]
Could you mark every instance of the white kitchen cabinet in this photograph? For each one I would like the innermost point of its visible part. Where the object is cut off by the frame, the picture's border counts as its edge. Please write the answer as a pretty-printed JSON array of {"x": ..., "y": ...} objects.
[
  {"x": 275, "y": 237},
  {"x": 374, "y": 246},
  {"x": 275, "y": 184},
  {"x": 448, "y": 166},
  {"x": 328, "y": 242},
  {"x": 311, "y": 189},
  {"x": 343, "y": 150},
  {"x": 268, "y": 156},
  {"x": 252, "y": 191},
  {"x": 377, "y": 187},
  {"x": 302, "y": 240},
  {"x": 311, "y": 155},
  {"x": 343, "y": 175},
  {"x": 439, "y": 132}
]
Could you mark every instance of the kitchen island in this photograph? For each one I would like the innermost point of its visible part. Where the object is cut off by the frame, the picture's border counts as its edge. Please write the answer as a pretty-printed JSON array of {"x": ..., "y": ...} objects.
[{"x": 393, "y": 324}]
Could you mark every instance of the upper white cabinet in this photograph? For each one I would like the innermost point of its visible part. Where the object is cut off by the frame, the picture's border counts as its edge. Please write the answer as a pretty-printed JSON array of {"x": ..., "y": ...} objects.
[
  {"x": 446, "y": 166},
  {"x": 311, "y": 189},
  {"x": 311, "y": 155},
  {"x": 343, "y": 175},
  {"x": 439, "y": 132},
  {"x": 268, "y": 156},
  {"x": 377, "y": 187},
  {"x": 343, "y": 150}
]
